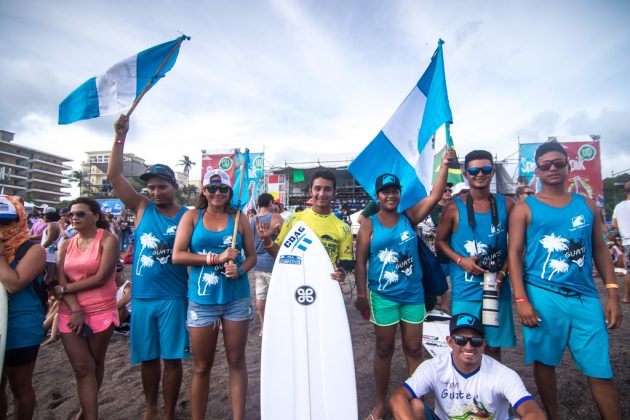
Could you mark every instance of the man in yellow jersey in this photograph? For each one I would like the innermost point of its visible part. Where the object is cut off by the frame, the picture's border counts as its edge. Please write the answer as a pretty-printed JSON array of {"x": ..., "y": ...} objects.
[{"x": 334, "y": 234}]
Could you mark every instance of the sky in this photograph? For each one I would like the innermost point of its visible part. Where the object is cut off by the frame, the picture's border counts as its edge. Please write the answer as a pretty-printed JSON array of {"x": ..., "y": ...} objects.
[{"x": 310, "y": 81}]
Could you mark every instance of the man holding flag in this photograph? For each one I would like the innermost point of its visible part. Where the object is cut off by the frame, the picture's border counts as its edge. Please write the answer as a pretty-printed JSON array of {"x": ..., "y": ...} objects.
[
  {"x": 159, "y": 288},
  {"x": 406, "y": 146}
]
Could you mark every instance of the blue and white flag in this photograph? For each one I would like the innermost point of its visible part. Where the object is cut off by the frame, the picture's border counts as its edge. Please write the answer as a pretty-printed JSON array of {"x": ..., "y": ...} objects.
[
  {"x": 241, "y": 175},
  {"x": 404, "y": 147},
  {"x": 116, "y": 90}
]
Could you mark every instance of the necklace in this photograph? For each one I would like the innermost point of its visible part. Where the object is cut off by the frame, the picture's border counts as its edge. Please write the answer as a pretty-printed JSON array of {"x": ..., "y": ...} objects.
[{"x": 86, "y": 243}]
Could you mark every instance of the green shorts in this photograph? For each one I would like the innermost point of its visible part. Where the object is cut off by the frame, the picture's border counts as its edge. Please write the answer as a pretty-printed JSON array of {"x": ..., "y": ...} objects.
[{"x": 384, "y": 312}]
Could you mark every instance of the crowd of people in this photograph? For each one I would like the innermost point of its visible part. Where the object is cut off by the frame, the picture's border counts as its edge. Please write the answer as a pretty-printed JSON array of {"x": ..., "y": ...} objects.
[{"x": 192, "y": 270}]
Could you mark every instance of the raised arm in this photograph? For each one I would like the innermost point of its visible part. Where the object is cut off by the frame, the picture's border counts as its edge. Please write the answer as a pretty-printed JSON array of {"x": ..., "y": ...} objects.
[
  {"x": 133, "y": 200},
  {"x": 420, "y": 210}
]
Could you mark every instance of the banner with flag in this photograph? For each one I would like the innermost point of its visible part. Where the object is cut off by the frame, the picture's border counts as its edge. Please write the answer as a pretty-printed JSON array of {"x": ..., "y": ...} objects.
[
  {"x": 404, "y": 146},
  {"x": 256, "y": 178},
  {"x": 121, "y": 84}
]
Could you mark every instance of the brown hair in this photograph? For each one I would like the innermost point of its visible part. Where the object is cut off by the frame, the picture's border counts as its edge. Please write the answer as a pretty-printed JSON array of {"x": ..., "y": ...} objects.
[{"x": 94, "y": 208}]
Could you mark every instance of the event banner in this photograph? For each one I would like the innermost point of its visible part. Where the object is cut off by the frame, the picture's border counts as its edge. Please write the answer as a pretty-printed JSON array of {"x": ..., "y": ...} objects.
[
  {"x": 584, "y": 157},
  {"x": 111, "y": 205},
  {"x": 227, "y": 161},
  {"x": 218, "y": 160}
]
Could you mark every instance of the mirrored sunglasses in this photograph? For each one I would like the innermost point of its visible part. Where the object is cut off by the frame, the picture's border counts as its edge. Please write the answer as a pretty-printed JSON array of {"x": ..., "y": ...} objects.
[
  {"x": 560, "y": 163},
  {"x": 460, "y": 340},
  {"x": 486, "y": 170},
  {"x": 223, "y": 189}
]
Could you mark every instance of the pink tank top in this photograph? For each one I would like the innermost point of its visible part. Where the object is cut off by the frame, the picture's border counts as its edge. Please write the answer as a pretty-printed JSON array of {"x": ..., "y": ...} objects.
[{"x": 79, "y": 265}]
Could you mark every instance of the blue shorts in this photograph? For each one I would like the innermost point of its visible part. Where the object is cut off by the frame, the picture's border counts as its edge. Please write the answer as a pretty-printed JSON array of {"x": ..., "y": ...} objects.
[
  {"x": 200, "y": 315},
  {"x": 574, "y": 321},
  {"x": 501, "y": 336},
  {"x": 158, "y": 329}
]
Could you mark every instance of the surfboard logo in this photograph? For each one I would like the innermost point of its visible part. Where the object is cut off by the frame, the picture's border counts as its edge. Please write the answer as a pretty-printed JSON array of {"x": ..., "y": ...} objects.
[
  {"x": 305, "y": 295},
  {"x": 297, "y": 240},
  {"x": 290, "y": 259}
]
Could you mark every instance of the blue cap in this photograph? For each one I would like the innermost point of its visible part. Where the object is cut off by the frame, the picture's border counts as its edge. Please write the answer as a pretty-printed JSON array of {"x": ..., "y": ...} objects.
[{"x": 464, "y": 320}]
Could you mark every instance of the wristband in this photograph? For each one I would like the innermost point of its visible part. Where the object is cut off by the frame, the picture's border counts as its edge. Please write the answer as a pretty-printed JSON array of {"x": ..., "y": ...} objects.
[
  {"x": 459, "y": 260},
  {"x": 523, "y": 299},
  {"x": 503, "y": 273},
  {"x": 361, "y": 296},
  {"x": 612, "y": 286},
  {"x": 208, "y": 259},
  {"x": 268, "y": 244},
  {"x": 213, "y": 259},
  {"x": 240, "y": 272}
]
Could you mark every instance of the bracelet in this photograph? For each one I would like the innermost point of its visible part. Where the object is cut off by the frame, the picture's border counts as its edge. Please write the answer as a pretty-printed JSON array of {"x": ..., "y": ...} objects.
[
  {"x": 268, "y": 245},
  {"x": 612, "y": 286},
  {"x": 523, "y": 299},
  {"x": 459, "y": 260},
  {"x": 208, "y": 259},
  {"x": 361, "y": 296},
  {"x": 503, "y": 273},
  {"x": 119, "y": 141}
]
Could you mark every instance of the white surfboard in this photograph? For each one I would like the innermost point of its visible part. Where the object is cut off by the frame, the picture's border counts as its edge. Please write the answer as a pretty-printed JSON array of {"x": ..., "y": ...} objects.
[
  {"x": 4, "y": 320},
  {"x": 307, "y": 365}
]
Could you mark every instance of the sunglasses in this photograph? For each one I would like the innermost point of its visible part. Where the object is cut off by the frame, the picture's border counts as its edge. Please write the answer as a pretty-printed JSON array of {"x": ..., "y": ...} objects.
[
  {"x": 460, "y": 340},
  {"x": 528, "y": 193},
  {"x": 486, "y": 170},
  {"x": 448, "y": 190},
  {"x": 560, "y": 163},
  {"x": 223, "y": 189},
  {"x": 80, "y": 214}
]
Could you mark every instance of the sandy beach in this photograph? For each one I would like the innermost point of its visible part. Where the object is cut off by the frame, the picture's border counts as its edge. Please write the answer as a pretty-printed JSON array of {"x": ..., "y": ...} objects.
[{"x": 121, "y": 394}]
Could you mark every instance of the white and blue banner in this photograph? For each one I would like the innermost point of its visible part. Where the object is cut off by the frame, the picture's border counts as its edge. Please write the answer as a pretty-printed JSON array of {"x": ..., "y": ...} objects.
[
  {"x": 121, "y": 84},
  {"x": 404, "y": 147},
  {"x": 241, "y": 177},
  {"x": 111, "y": 205}
]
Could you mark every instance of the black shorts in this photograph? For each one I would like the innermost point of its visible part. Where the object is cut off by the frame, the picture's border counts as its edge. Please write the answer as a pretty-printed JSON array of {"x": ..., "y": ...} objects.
[{"x": 21, "y": 356}]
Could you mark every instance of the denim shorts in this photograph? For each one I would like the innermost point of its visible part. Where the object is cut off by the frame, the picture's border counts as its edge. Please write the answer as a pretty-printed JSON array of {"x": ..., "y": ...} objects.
[{"x": 202, "y": 315}]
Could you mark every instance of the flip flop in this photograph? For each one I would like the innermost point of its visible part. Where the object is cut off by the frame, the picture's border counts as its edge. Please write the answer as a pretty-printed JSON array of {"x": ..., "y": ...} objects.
[{"x": 371, "y": 415}]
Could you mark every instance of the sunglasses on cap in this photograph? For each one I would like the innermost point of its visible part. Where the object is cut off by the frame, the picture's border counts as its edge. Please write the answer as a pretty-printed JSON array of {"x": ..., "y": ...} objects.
[
  {"x": 223, "y": 189},
  {"x": 559, "y": 163},
  {"x": 460, "y": 340},
  {"x": 486, "y": 170},
  {"x": 80, "y": 214}
]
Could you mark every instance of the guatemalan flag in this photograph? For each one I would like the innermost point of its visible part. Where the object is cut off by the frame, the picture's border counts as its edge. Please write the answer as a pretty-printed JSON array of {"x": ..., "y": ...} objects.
[
  {"x": 404, "y": 146},
  {"x": 117, "y": 89}
]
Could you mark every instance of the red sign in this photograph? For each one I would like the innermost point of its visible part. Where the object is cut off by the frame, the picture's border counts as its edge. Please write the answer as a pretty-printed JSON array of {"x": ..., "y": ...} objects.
[
  {"x": 223, "y": 161},
  {"x": 586, "y": 169}
]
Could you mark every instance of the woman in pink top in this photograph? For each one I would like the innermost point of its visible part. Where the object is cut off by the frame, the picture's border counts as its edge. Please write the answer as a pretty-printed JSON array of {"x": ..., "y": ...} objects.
[{"x": 87, "y": 286}]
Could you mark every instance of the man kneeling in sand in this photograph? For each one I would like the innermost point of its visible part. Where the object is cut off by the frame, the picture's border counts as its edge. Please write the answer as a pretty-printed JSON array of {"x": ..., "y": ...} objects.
[{"x": 465, "y": 382}]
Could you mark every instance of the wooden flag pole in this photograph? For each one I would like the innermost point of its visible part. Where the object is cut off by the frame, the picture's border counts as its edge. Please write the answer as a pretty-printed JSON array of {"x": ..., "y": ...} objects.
[{"x": 148, "y": 85}]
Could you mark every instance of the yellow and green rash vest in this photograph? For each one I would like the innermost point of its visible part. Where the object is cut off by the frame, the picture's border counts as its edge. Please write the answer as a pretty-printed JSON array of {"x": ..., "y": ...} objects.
[{"x": 334, "y": 234}]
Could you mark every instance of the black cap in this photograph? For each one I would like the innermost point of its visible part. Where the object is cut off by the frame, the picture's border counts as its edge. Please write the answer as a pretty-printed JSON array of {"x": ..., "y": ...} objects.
[
  {"x": 160, "y": 171},
  {"x": 387, "y": 180},
  {"x": 464, "y": 320}
]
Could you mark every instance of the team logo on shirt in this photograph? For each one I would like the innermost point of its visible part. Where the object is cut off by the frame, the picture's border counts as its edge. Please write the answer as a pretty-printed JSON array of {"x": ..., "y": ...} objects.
[
  {"x": 405, "y": 236},
  {"x": 171, "y": 230},
  {"x": 578, "y": 221},
  {"x": 152, "y": 249},
  {"x": 564, "y": 252}
]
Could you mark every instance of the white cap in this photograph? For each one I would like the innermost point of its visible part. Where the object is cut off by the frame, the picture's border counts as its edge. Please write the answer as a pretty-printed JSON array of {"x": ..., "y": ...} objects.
[
  {"x": 225, "y": 178},
  {"x": 460, "y": 187},
  {"x": 7, "y": 209},
  {"x": 50, "y": 210}
]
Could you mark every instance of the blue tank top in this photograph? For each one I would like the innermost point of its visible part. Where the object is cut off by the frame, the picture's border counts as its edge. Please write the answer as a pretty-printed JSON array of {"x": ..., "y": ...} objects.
[
  {"x": 491, "y": 244},
  {"x": 264, "y": 261},
  {"x": 26, "y": 316},
  {"x": 558, "y": 248},
  {"x": 207, "y": 284},
  {"x": 154, "y": 275},
  {"x": 394, "y": 269}
]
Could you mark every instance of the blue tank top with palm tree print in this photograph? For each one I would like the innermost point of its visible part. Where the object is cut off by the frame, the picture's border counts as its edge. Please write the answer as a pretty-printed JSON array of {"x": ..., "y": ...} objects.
[
  {"x": 558, "y": 246},
  {"x": 394, "y": 269}
]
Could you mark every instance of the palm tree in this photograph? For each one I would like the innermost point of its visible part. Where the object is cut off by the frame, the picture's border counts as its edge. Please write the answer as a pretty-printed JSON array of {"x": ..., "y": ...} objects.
[
  {"x": 209, "y": 279},
  {"x": 187, "y": 164},
  {"x": 147, "y": 240},
  {"x": 552, "y": 243},
  {"x": 82, "y": 179},
  {"x": 391, "y": 277},
  {"x": 386, "y": 256},
  {"x": 558, "y": 266}
]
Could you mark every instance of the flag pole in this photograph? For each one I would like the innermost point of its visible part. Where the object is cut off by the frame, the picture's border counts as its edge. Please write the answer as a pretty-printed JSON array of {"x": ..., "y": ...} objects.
[{"x": 148, "y": 85}]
